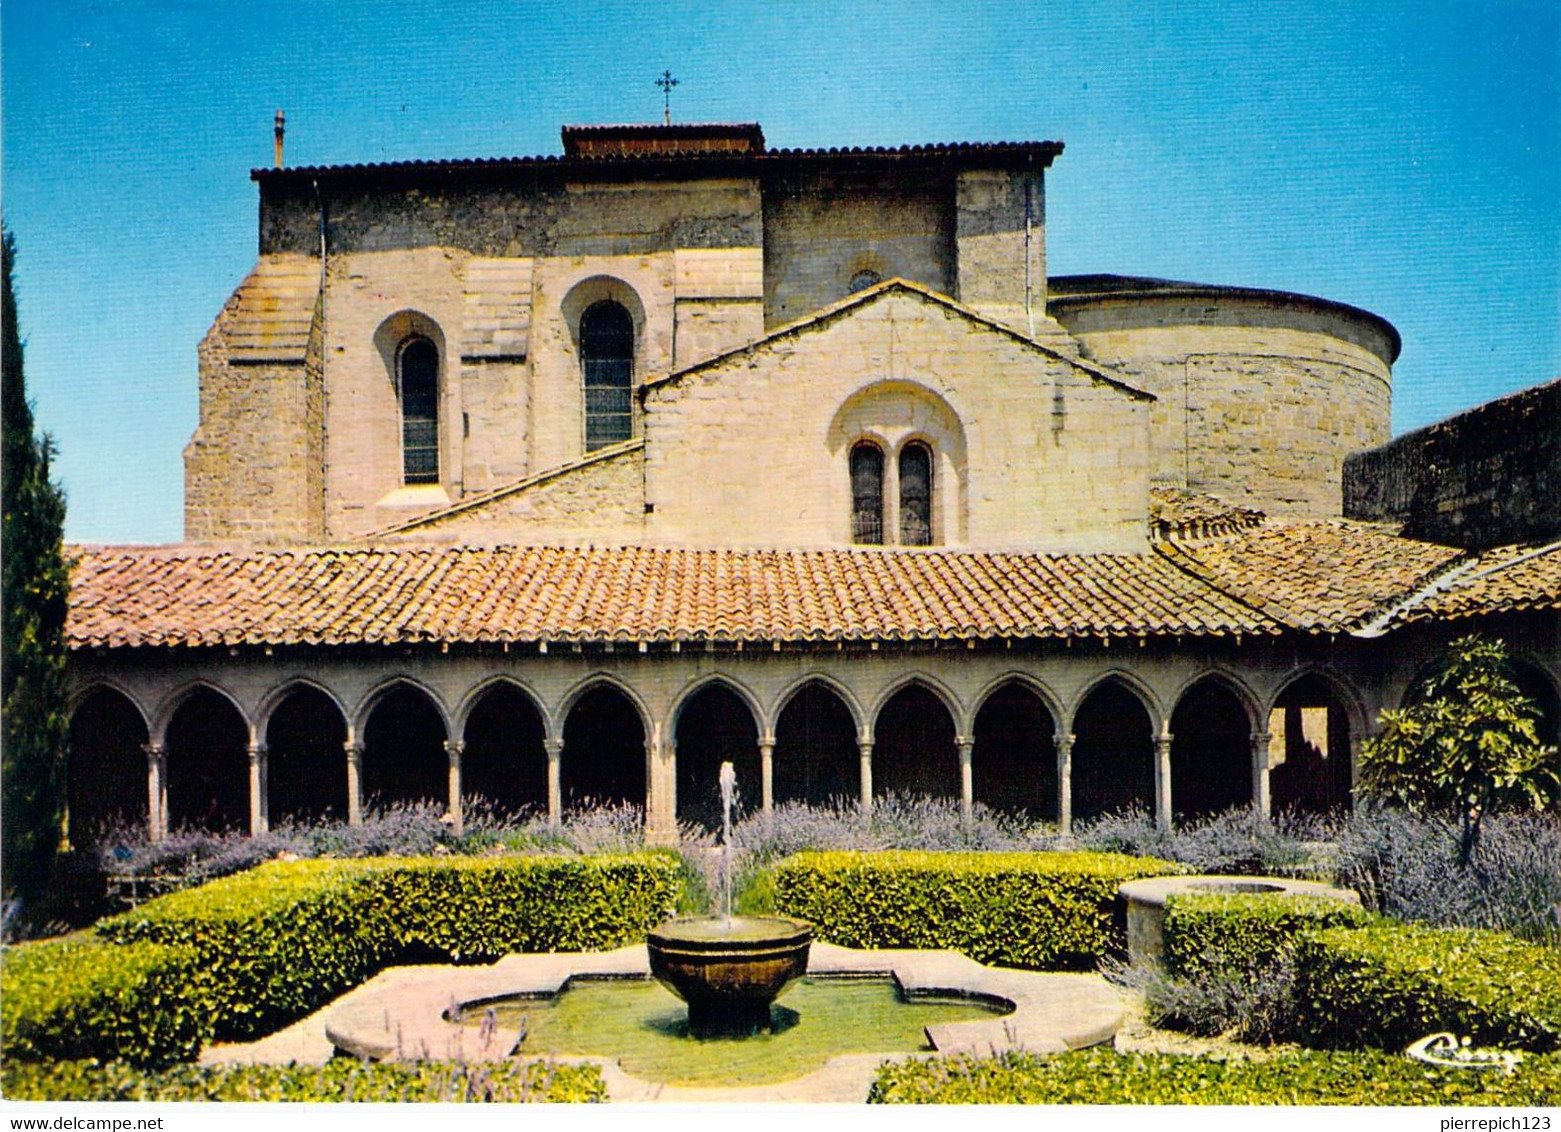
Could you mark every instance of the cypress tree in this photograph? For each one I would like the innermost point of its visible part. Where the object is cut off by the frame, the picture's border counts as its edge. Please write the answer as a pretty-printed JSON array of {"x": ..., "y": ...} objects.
[{"x": 34, "y": 580}]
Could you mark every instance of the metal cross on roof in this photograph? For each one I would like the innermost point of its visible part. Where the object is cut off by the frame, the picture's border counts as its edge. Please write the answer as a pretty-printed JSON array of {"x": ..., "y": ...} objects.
[{"x": 666, "y": 83}]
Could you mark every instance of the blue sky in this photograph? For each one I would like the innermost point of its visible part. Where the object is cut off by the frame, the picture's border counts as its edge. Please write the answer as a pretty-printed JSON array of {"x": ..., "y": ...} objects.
[{"x": 1404, "y": 157}]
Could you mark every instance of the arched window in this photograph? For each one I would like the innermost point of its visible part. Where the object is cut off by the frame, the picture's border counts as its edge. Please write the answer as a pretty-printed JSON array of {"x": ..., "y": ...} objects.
[
  {"x": 916, "y": 495},
  {"x": 418, "y": 373},
  {"x": 867, "y": 494},
  {"x": 607, "y": 354}
]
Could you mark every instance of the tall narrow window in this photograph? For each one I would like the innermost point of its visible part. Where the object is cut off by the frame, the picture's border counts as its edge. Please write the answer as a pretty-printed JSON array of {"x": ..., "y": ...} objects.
[
  {"x": 867, "y": 494},
  {"x": 419, "y": 373},
  {"x": 607, "y": 352},
  {"x": 916, "y": 495}
]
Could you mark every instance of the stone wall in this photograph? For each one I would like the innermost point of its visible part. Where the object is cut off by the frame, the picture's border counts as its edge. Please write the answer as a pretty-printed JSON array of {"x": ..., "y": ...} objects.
[
  {"x": 1031, "y": 451},
  {"x": 253, "y": 470},
  {"x": 821, "y": 229},
  {"x": 1257, "y": 402},
  {"x": 1484, "y": 478},
  {"x": 599, "y": 500}
]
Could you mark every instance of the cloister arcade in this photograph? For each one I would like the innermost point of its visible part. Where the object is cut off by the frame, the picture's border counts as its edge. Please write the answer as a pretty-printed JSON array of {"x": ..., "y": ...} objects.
[{"x": 249, "y": 741}]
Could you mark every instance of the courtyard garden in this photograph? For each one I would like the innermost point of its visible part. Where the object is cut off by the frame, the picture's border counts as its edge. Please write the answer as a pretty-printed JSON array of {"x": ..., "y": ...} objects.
[{"x": 1257, "y": 999}]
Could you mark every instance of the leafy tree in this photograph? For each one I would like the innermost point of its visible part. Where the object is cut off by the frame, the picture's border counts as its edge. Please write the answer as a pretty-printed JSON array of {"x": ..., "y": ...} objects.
[
  {"x": 33, "y": 585},
  {"x": 1467, "y": 744}
]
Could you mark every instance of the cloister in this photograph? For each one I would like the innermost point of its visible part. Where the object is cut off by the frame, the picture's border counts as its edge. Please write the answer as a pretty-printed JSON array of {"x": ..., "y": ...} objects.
[{"x": 1061, "y": 733}]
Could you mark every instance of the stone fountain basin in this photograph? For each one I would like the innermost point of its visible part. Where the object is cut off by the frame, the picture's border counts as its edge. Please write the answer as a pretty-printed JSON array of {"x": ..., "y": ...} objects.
[
  {"x": 406, "y": 1013},
  {"x": 729, "y": 967}
]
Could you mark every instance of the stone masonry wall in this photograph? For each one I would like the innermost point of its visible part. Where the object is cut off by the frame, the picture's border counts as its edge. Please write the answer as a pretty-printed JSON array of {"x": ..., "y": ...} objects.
[
  {"x": 1032, "y": 451},
  {"x": 1255, "y": 405},
  {"x": 252, "y": 469},
  {"x": 601, "y": 502},
  {"x": 1487, "y": 477},
  {"x": 821, "y": 229}
]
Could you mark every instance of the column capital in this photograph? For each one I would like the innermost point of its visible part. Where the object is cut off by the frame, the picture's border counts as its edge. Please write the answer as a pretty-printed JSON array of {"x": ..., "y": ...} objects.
[
  {"x": 454, "y": 747},
  {"x": 864, "y": 746},
  {"x": 1063, "y": 740},
  {"x": 965, "y": 743},
  {"x": 155, "y": 750},
  {"x": 766, "y": 742},
  {"x": 256, "y": 751},
  {"x": 554, "y": 747}
]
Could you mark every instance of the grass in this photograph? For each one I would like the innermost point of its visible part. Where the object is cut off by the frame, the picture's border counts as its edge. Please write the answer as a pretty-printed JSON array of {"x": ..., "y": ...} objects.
[{"x": 645, "y": 1028}]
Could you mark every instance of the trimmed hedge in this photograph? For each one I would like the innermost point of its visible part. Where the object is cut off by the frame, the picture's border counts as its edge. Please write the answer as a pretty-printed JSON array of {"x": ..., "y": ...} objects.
[
  {"x": 1210, "y": 931},
  {"x": 1391, "y": 984},
  {"x": 339, "y": 1080},
  {"x": 1045, "y": 910},
  {"x": 1101, "y": 1076},
  {"x": 239, "y": 957},
  {"x": 81, "y": 997}
]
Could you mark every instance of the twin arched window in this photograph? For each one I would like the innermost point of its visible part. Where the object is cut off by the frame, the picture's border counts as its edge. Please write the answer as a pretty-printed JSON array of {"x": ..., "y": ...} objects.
[
  {"x": 915, "y": 482},
  {"x": 607, "y": 355},
  {"x": 417, "y": 372}
]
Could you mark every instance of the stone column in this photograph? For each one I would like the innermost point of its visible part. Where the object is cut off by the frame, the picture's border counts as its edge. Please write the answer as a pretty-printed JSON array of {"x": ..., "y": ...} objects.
[
  {"x": 1261, "y": 798},
  {"x": 865, "y": 751},
  {"x": 661, "y": 784},
  {"x": 259, "y": 807},
  {"x": 1063, "y": 742},
  {"x": 354, "y": 751},
  {"x": 1162, "y": 781},
  {"x": 453, "y": 749},
  {"x": 156, "y": 791},
  {"x": 555, "y": 782},
  {"x": 1357, "y": 737},
  {"x": 767, "y": 774},
  {"x": 967, "y": 782}
]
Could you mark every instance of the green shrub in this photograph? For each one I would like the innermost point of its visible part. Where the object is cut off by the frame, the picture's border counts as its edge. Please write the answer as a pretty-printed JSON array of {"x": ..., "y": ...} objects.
[
  {"x": 1101, "y": 1076},
  {"x": 339, "y": 1080},
  {"x": 1244, "y": 931},
  {"x": 1392, "y": 983},
  {"x": 81, "y": 997},
  {"x": 1044, "y": 910},
  {"x": 475, "y": 910},
  {"x": 281, "y": 940},
  {"x": 274, "y": 942}
]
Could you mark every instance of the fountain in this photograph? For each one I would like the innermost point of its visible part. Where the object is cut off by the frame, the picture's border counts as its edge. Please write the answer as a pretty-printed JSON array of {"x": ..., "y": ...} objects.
[{"x": 729, "y": 969}]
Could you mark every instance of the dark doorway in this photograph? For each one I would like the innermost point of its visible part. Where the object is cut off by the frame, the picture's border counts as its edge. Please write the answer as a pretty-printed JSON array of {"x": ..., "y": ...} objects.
[
  {"x": 1014, "y": 761},
  {"x": 208, "y": 764},
  {"x": 505, "y": 758},
  {"x": 816, "y": 756},
  {"x": 404, "y": 759},
  {"x": 106, "y": 774},
  {"x": 715, "y": 726},
  {"x": 306, "y": 758},
  {"x": 1211, "y": 751},
  {"x": 604, "y": 750},
  {"x": 1113, "y": 753},
  {"x": 1309, "y": 749},
  {"x": 913, "y": 746}
]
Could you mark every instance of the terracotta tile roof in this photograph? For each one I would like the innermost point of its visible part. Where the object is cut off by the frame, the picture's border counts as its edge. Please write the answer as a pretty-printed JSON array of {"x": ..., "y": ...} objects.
[
  {"x": 1499, "y": 581},
  {"x": 1177, "y": 513},
  {"x": 192, "y": 596},
  {"x": 1321, "y": 576}
]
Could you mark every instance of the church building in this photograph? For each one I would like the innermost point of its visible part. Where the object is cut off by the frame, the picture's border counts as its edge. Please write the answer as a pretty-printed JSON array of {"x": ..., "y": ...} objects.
[{"x": 565, "y": 478}]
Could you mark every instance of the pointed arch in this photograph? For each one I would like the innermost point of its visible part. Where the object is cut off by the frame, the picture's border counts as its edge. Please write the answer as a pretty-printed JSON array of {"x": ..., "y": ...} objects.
[
  {"x": 1133, "y": 684},
  {"x": 916, "y": 726},
  {"x": 715, "y": 722},
  {"x": 1211, "y": 727},
  {"x": 586, "y": 684},
  {"x": 1313, "y": 720},
  {"x": 367, "y": 702},
  {"x": 463, "y": 709},
  {"x": 304, "y": 726},
  {"x": 604, "y": 728},
  {"x": 1114, "y": 723},
  {"x": 171, "y": 703},
  {"x": 105, "y": 770},
  {"x": 404, "y": 731},
  {"x": 932, "y": 684},
  {"x": 207, "y": 736},
  {"x": 504, "y": 758},
  {"x": 817, "y": 731},
  {"x": 846, "y": 695},
  {"x": 279, "y": 692},
  {"x": 1014, "y": 755}
]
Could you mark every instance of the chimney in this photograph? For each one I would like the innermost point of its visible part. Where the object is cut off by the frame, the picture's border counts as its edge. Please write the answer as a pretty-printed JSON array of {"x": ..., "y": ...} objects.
[{"x": 281, "y": 128}]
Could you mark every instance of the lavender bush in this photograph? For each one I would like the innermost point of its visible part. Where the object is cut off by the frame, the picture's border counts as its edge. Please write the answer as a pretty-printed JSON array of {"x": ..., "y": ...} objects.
[
  {"x": 1239, "y": 840},
  {"x": 1407, "y": 866}
]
